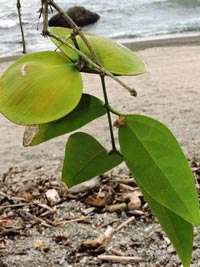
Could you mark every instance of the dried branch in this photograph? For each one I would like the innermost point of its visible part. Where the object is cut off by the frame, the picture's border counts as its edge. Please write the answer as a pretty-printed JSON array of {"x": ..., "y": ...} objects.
[
  {"x": 45, "y": 16},
  {"x": 98, "y": 244},
  {"x": 79, "y": 219},
  {"x": 120, "y": 259},
  {"x": 122, "y": 225},
  {"x": 99, "y": 68},
  {"x": 96, "y": 64},
  {"x": 14, "y": 206},
  {"x": 21, "y": 26}
]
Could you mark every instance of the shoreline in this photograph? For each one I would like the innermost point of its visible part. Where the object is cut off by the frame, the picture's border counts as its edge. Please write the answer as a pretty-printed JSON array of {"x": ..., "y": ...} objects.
[
  {"x": 165, "y": 41},
  {"x": 143, "y": 43}
]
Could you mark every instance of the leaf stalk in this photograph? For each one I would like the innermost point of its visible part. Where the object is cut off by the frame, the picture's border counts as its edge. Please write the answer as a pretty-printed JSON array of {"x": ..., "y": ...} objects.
[{"x": 108, "y": 113}]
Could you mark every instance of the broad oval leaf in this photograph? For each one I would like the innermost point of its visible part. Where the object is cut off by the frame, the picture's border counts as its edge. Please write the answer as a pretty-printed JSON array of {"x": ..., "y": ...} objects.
[
  {"x": 85, "y": 158},
  {"x": 114, "y": 57},
  {"x": 88, "y": 109},
  {"x": 179, "y": 231},
  {"x": 39, "y": 87},
  {"x": 158, "y": 164}
]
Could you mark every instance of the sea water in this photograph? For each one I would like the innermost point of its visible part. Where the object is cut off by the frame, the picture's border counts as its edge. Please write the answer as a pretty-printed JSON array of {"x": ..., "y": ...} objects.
[{"x": 120, "y": 19}]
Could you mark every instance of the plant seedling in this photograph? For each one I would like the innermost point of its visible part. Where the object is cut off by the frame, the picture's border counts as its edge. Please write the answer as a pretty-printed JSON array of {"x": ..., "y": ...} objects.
[{"x": 43, "y": 91}]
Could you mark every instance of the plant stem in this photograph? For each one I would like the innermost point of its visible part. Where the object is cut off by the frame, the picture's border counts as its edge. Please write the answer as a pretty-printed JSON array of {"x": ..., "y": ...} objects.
[
  {"x": 108, "y": 113},
  {"x": 114, "y": 111},
  {"x": 21, "y": 26}
]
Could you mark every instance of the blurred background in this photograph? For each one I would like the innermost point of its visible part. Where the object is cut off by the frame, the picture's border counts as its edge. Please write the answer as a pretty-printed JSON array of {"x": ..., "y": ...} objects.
[{"x": 120, "y": 19}]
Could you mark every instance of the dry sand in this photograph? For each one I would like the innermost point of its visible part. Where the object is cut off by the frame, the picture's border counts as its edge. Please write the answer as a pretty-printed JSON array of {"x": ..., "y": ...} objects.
[{"x": 168, "y": 91}]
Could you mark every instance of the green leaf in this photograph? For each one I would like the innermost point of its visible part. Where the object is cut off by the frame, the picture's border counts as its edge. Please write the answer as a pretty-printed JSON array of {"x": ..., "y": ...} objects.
[
  {"x": 158, "y": 164},
  {"x": 179, "y": 231},
  {"x": 114, "y": 57},
  {"x": 39, "y": 87},
  {"x": 85, "y": 158},
  {"x": 88, "y": 109}
]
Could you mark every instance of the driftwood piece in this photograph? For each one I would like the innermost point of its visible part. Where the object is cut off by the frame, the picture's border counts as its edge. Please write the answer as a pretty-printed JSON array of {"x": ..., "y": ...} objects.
[
  {"x": 122, "y": 225},
  {"x": 98, "y": 244},
  {"x": 116, "y": 207},
  {"x": 120, "y": 259},
  {"x": 83, "y": 187},
  {"x": 134, "y": 201}
]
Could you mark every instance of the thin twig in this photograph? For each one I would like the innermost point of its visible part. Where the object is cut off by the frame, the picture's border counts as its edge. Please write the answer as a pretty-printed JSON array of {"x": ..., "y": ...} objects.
[
  {"x": 115, "y": 251},
  {"x": 21, "y": 26},
  {"x": 11, "y": 199},
  {"x": 43, "y": 221},
  {"x": 122, "y": 225},
  {"x": 80, "y": 219},
  {"x": 14, "y": 205},
  {"x": 120, "y": 259},
  {"x": 45, "y": 16}
]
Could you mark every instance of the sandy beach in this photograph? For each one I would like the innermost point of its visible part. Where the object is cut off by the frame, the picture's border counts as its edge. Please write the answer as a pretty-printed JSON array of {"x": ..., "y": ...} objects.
[{"x": 168, "y": 91}]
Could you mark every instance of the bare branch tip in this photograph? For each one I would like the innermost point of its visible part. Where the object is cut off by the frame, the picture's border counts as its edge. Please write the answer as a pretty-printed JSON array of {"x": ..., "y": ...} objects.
[{"x": 133, "y": 92}]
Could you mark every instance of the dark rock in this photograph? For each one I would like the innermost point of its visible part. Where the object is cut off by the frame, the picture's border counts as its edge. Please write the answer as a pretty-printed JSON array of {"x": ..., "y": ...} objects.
[{"x": 80, "y": 15}]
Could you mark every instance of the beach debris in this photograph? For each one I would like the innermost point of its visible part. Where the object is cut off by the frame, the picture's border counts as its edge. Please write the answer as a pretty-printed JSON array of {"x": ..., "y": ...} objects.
[
  {"x": 98, "y": 244},
  {"x": 73, "y": 220},
  {"x": 116, "y": 207},
  {"x": 41, "y": 246},
  {"x": 4, "y": 243},
  {"x": 103, "y": 198},
  {"x": 134, "y": 201},
  {"x": 88, "y": 211},
  {"x": 52, "y": 196},
  {"x": 19, "y": 212},
  {"x": 63, "y": 239},
  {"x": 85, "y": 186},
  {"x": 120, "y": 259},
  {"x": 124, "y": 224}
]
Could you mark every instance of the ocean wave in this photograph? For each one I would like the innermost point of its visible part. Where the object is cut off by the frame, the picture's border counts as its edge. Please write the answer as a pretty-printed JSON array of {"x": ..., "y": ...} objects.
[
  {"x": 120, "y": 19},
  {"x": 179, "y": 29},
  {"x": 165, "y": 4},
  {"x": 7, "y": 23},
  {"x": 186, "y": 28},
  {"x": 8, "y": 20}
]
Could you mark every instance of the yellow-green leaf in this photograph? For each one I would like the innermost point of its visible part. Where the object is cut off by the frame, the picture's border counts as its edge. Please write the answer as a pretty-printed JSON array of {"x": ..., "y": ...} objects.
[
  {"x": 39, "y": 88},
  {"x": 114, "y": 57}
]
